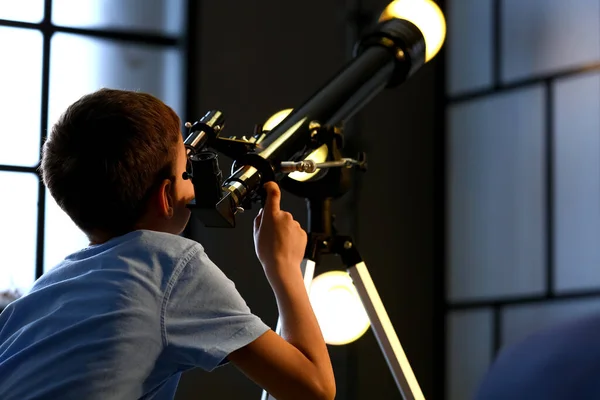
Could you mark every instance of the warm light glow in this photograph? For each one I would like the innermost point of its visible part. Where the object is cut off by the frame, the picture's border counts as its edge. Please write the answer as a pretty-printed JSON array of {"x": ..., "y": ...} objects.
[
  {"x": 276, "y": 119},
  {"x": 426, "y": 15},
  {"x": 338, "y": 308},
  {"x": 319, "y": 155}
]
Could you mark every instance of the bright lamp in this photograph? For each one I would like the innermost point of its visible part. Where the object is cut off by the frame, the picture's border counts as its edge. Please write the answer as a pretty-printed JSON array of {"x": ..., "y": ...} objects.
[
  {"x": 338, "y": 308},
  {"x": 426, "y": 15}
]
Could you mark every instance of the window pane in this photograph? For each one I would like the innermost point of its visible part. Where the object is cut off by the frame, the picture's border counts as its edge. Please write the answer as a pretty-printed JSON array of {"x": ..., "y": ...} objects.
[
  {"x": 20, "y": 88},
  {"x": 469, "y": 341},
  {"x": 104, "y": 63},
  {"x": 22, "y": 10},
  {"x": 156, "y": 16},
  {"x": 61, "y": 236},
  {"x": 576, "y": 183},
  {"x": 496, "y": 210},
  {"x": 469, "y": 45},
  {"x": 541, "y": 37},
  {"x": 18, "y": 230}
]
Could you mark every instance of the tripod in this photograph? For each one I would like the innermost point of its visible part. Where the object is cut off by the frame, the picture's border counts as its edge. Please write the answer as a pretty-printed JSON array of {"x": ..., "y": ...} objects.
[{"x": 323, "y": 239}]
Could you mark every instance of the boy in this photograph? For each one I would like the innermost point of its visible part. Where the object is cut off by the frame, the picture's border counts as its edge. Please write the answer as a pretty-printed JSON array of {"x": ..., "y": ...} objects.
[{"x": 122, "y": 318}]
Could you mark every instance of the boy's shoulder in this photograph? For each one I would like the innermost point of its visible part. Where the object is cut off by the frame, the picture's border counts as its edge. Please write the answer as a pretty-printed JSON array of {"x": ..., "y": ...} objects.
[
  {"x": 155, "y": 255},
  {"x": 142, "y": 242},
  {"x": 162, "y": 248},
  {"x": 141, "y": 259},
  {"x": 162, "y": 242}
]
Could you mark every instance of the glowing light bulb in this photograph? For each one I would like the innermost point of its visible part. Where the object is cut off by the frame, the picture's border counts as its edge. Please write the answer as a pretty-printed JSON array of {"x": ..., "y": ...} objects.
[
  {"x": 426, "y": 15},
  {"x": 318, "y": 155},
  {"x": 276, "y": 119},
  {"x": 338, "y": 308}
]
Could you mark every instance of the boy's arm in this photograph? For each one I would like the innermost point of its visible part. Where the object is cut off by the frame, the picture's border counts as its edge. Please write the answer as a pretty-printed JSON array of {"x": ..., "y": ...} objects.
[{"x": 295, "y": 365}]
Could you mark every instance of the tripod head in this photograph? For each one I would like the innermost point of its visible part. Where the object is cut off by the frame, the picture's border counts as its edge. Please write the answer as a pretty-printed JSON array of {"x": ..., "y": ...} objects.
[{"x": 332, "y": 178}]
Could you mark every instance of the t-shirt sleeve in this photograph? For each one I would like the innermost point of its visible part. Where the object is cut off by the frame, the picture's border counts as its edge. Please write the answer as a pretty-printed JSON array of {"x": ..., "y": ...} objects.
[{"x": 204, "y": 317}]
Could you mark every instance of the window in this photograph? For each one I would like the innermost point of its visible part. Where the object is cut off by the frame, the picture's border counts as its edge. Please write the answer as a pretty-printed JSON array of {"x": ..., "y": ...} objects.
[
  {"x": 54, "y": 52},
  {"x": 29, "y": 11},
  {"x": 18, "y": 216},
  {"x": 20, "y": 96}
]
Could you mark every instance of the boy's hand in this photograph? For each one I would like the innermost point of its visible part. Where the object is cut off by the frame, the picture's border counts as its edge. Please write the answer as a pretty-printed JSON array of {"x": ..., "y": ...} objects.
[
  {"x": 279, "y": 240},
  {"x": 294, "y": 364}
]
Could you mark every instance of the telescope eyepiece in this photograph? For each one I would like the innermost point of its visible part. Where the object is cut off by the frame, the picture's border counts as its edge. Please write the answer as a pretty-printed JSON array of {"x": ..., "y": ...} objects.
[{"x": 206, "y": 128}]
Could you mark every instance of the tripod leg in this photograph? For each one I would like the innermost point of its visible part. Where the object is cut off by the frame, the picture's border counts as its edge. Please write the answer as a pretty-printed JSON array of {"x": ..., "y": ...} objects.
[
  {"x": 308, "y": 271},
  {"x": 385, "y": 333}
]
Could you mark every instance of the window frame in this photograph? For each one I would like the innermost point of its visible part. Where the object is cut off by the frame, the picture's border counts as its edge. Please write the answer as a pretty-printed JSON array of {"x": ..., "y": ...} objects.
[{"x": 48, "y": 29}]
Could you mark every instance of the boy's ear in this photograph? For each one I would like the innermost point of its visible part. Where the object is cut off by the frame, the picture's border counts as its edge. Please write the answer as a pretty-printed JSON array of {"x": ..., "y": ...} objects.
[{"x": 165, "y": 198}]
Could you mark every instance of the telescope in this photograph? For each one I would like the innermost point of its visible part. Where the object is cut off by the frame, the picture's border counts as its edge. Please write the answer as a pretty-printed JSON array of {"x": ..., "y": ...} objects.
[
  {"x": 308, "y": 140},
  {"x": 301, "y": 149}
]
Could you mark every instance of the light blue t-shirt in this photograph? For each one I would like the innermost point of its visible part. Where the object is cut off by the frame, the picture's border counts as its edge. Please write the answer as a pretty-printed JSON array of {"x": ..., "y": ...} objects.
[{"x": 122, "y": 320}]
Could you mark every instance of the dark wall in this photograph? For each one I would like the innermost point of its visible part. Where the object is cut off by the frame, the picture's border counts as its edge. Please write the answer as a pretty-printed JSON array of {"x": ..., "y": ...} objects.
[{"x": 257, "y": 58}]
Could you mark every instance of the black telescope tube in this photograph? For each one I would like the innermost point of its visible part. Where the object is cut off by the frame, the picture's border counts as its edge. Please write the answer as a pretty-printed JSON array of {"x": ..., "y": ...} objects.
[
  {"x": 337, "y": 101},
  {"x": 387, "y": 56},
  {"x": 355, "y": 85}
]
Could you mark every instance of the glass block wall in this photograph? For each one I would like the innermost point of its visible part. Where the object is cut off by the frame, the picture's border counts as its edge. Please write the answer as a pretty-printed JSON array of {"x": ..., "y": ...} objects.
[
  {"x": 522, "y": 172},
  {"x": 53, "y": 52}
]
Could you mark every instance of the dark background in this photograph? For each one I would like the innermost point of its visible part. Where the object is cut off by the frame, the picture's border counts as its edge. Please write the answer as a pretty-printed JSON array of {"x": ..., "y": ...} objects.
[{"x": 253, "y": 59}]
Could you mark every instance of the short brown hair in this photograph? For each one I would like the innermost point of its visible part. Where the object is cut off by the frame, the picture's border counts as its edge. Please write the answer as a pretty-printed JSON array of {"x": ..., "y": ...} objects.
[{"x": 105, "y": 154}]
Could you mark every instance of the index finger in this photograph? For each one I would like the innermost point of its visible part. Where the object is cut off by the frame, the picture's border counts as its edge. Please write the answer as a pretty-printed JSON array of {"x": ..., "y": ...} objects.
[{"x": 273, "y": 201}]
